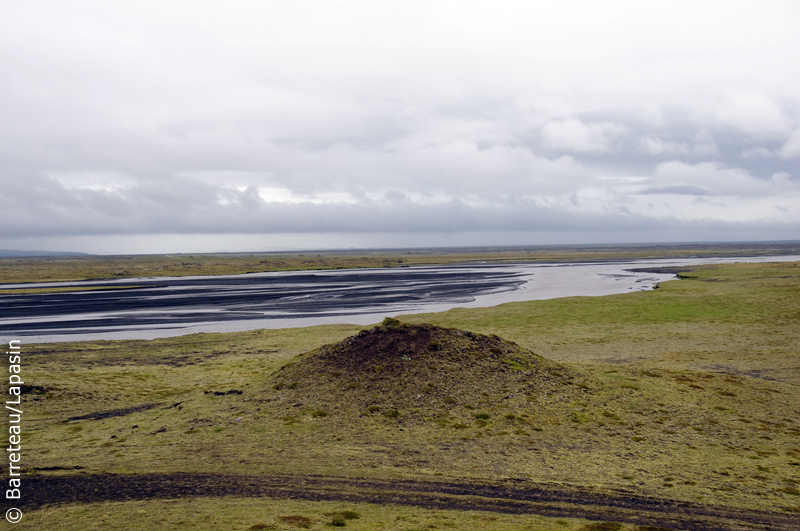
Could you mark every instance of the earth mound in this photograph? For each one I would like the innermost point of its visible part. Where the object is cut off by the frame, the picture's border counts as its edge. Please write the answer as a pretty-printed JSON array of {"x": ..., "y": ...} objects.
[{"x": 419, "y": 370}]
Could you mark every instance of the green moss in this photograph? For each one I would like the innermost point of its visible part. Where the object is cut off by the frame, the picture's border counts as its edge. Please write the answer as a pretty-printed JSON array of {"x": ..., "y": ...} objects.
[{"x": 748, "y": 350}]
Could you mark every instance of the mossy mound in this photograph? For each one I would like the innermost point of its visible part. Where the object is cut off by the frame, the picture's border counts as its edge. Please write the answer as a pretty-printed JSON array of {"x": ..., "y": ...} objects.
[{"x": 418, "y": 370}]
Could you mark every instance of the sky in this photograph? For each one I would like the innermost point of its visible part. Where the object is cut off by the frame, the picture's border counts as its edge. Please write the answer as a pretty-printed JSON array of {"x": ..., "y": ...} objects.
[{"x": 144, "y": 127}]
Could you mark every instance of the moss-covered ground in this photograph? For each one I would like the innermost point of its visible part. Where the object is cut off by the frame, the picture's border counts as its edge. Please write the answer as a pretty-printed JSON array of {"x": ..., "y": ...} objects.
[
  {"x": 251, "y": 514},
  {"x": 688, "y": 393}
]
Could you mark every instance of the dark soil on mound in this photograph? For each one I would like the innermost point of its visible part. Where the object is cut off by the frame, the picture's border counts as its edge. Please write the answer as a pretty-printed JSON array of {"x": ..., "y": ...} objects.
[{"x": 418, "y": 370}]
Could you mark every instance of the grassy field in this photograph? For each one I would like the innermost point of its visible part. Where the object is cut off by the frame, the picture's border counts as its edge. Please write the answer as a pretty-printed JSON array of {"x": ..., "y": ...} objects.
[
  {"x": 688, "y": 393},
  {"x": 52, "y": 269},
  {"x": 270, "y": 514}
]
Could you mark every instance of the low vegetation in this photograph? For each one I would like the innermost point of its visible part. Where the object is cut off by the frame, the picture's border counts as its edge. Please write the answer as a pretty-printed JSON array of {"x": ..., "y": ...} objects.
[
  {"x": 254, "y": 514},
  {"x": 689, "y": 393},
  {"x": 420, "y": 372},
  {"x": 63, "y": 268}
]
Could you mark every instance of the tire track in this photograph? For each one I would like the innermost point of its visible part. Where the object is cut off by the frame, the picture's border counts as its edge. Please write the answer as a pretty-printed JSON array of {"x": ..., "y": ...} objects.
[{"x": 513, "y": 497}]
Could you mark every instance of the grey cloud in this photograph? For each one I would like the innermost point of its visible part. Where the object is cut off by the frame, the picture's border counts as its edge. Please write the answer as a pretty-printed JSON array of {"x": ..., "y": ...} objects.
[
  {"x": 577, "y": 136},
  {"x": 703, "y": 146},
  {"x": 269, "y": 118},
  {"x": 791, "y": 149},
  {"x": 187, "y": 207},
  {"x": 753, "y": 112},
  {"x": 757, "y": 152},
  {"x": 679, "y": 190}
]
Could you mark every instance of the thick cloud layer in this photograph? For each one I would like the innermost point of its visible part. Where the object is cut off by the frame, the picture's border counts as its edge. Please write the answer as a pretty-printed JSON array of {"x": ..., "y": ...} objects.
[{"x": 397, "y": 118}]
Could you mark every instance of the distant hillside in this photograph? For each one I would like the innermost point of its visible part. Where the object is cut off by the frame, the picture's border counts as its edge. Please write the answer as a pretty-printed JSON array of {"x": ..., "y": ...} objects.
[{"x": 5, "y": 253}]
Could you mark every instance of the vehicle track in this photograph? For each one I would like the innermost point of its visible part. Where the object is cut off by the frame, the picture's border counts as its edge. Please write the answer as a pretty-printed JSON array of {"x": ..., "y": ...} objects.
[{"x": 513, "y": 497}]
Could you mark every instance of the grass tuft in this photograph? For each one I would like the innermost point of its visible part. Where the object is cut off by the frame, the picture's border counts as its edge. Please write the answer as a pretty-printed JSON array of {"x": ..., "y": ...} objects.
[{"x": 302, "y": 522}]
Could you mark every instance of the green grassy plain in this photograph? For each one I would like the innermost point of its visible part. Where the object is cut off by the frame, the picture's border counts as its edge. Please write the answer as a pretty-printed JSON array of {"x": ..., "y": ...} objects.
[
  {"x": 269, "y": 514},
  {"x": 690, "y": 392},
  {"x": 65, "y": 268}
]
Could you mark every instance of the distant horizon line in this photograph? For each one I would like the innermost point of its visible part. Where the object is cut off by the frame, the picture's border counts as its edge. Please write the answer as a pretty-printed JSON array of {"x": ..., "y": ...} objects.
[{"x": 12, "y": 253}]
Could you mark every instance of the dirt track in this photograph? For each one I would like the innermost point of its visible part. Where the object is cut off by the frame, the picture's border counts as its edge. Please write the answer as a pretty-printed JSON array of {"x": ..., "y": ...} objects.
[{"x": 516, "y": 497}]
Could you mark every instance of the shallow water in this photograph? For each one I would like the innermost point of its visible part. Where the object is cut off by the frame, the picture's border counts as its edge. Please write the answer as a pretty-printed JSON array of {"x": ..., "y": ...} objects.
[{"x": 164, "y": 307}]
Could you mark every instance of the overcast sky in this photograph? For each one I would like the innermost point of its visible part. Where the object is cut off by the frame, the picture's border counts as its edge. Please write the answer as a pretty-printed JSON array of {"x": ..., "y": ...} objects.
[{"x": 223, "y": 126}]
